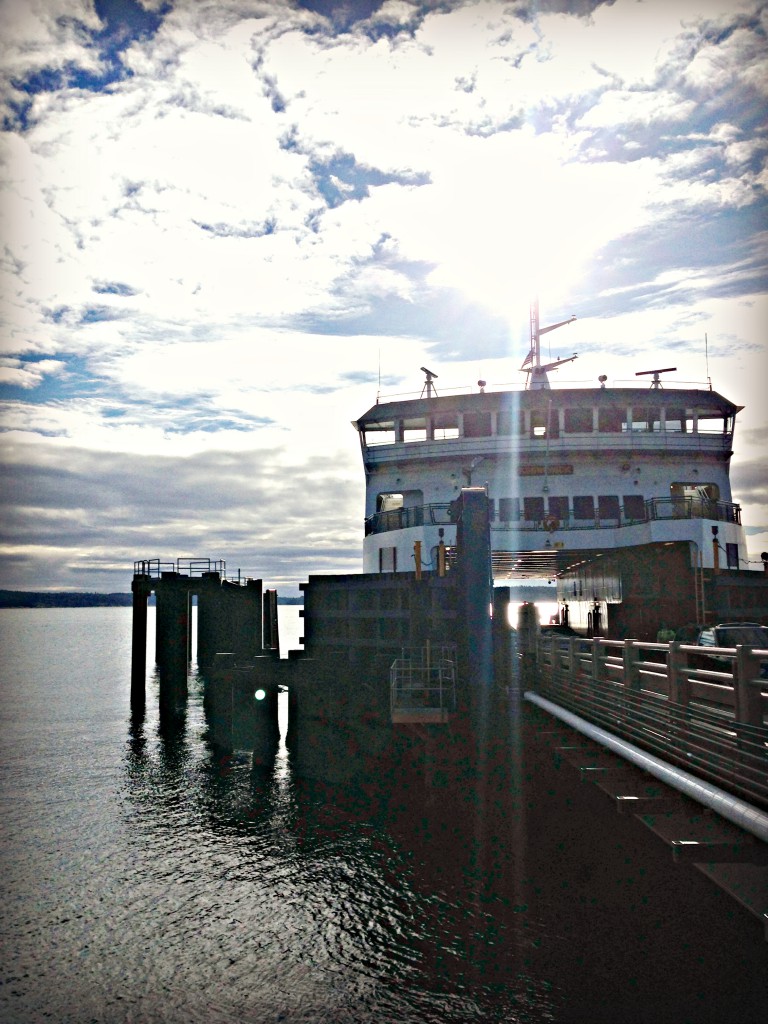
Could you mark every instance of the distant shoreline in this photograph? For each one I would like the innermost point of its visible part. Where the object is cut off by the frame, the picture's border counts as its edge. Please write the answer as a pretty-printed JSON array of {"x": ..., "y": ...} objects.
[{"x": 77, "y": 599}]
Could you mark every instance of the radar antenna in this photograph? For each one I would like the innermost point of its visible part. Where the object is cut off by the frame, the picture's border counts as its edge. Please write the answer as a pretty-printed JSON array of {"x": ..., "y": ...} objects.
[
  {"x": 656, "y": 383},
  {"x": 429, "y": 387},
  {"x": 532, "y": 365}
]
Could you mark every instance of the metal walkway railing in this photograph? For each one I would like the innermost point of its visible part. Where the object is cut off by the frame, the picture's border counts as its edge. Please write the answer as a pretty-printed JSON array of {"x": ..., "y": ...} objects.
[
  {"x": 711, "y": 723},
  {"x": 422, "y": 684}
]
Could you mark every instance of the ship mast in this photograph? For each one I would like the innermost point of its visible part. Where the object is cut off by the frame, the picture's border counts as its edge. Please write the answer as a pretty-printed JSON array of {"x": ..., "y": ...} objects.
[{"x": 532, "y": 365}]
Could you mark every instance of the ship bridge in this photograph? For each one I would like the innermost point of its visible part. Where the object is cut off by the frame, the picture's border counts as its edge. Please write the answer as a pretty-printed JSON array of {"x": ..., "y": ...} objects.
[
  {"x": 599, "y": 489},
  {"x": 569, "y": 473}
]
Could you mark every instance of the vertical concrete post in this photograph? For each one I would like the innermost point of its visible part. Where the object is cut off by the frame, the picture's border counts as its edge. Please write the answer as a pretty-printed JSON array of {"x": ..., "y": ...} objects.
[
  {"x": 140, "y": 591},
  {"x": 527, "y": 637},
  {"x": 631, "y": 676},
  {"x": 572, "y": 674},
  {"x": 677, "y": 663},
  {"x": 172, "y": 626},
  {"x": 749, "y": 710},
  {"x": 678, "y": 690},
  {"x": 270, "y": 628},
  {"x": 207, "y": 619},
  {"x": 243, "y": 624},
  {"x": 749, "y": 703},
  {"x": 291, "y": 734},
  {"x": 503, "y": 652},
  {"x": 474, "y": 543}
]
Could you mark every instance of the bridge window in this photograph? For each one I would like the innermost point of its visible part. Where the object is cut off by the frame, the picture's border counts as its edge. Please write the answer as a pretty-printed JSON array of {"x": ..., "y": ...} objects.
[
  {"x": 678, "y": 421},
  {"x": 508, "y": 422},
  {"x": 533, "y": 509},
  {"x": 445, "y": 425},
  {"x": 380, "y": 433},
  {"x": 583, "y": 506},
  {"x": 414, "y": 430},
  {"x": 611, "y": 420},
  {"x": 608, "y": 506},
  {"x": 646, "y": 420},
  {"x": 634, "y": 507},
  {"x": 558, "y": 507},
  {"x": 477, "y": 424},
  {"x": 713, "y": 421},
  {"x": 544, "y": 423},
  {"x": 578, "y": 421}
]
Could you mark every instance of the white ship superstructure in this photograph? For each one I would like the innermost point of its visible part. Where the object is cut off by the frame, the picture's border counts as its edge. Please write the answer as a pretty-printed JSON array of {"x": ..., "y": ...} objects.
[{"x": 569, "y": 472}]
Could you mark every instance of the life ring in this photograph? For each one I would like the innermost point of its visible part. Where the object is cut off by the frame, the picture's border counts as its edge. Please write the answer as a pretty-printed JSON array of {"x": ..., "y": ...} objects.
[{"x": 551, "y": 523}]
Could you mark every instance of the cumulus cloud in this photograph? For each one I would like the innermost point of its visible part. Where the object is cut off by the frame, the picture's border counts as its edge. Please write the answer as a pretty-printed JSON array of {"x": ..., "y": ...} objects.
[{"x": 223, "y": 223}]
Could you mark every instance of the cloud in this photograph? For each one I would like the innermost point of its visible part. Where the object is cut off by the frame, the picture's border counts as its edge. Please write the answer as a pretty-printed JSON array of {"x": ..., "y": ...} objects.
[
  {"x": 224, "y": 222},
  {"x": 30, "y": 374},
  {"x": 104, "y": 510}
]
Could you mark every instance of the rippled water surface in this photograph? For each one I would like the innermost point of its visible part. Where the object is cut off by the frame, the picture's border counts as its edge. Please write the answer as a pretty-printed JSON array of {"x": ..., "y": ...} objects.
[{"x": 146, "y": 878}]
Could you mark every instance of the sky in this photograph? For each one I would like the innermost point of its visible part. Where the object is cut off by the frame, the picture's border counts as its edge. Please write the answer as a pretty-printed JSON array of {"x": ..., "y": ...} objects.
[{"x": 228, "y": 226}]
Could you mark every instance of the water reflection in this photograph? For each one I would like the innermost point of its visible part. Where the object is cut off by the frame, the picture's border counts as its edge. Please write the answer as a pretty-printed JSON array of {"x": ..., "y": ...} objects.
[{"x": 485, "y": 891}]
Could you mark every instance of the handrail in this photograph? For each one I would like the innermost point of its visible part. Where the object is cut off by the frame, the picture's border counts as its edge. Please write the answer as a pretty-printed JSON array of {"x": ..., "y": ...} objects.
[
  {"x": 423, "y": 679},
  {"x": 438, "y": 514},
  {"x": 711, "y": 721},
  {"x": 154, "y": 568}
]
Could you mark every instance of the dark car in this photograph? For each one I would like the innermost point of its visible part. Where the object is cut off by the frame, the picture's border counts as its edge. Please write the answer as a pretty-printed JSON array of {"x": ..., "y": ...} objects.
[{"x": 731, "y": 634}]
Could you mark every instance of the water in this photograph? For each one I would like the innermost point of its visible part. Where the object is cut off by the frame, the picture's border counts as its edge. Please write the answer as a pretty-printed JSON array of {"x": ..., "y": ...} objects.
[{"x": 146, "y": 879}]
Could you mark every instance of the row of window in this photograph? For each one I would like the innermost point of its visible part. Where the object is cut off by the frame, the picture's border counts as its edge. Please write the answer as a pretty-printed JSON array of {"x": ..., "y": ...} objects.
[
  {"x": 582, "y": 506},
  {"x": 548, "y": 422}
]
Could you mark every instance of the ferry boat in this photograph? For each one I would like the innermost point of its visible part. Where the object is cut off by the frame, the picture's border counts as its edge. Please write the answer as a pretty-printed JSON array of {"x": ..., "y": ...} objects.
[{"x": 571, "y": 474}]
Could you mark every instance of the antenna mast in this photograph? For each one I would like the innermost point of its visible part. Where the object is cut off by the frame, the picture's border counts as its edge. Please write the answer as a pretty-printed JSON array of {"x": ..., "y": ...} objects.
[{"x": 532, "y": 365}]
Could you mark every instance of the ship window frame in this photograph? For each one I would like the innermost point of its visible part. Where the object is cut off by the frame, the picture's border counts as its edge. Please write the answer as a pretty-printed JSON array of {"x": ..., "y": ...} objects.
[
  {"x": 578, "y": 419},
  {"x": 631, "y": 503},
  {"x": 372, "y": 433},
  {"x": 545, "y": 423},
  {"x": 580, "y": 507},
  {"x": 394, "y": 506},
  {"x": 720, "y": 416},
  {"x": 445, "y": 426},
  {"x": 608, "y": 507},
  {"x": 612, "y": 419},
  {"x": 531, "y": 505},
  {"x": 510, "y": 422},
  {"x": 646, "y": 419},
  {"x": 509, "y": 510},
  {"x": 480, "y": 423},
  {"x": 704, "y": 490},
  {"x": 415, "y": 429},
  {"x": 678, "y": 420},
  {"x": 391, "y": 555},
  {"x": 557, "y": 506}
]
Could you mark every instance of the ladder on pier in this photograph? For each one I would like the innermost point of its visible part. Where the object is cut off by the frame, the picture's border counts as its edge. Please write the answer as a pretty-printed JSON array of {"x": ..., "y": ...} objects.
[{"x": 422, "y": 685}]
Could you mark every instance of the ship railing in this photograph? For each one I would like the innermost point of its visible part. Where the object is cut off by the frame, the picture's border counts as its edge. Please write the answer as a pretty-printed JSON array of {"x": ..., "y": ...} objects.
[
  {"x": 702, "y": 709},
  {"x": 653, "y": 509},
  {"x": 154, "y": 568},
  {"x": 413, "y": 515},
  {"x": 694, "y": 508},
  {"x": 422, "y": 683}
]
